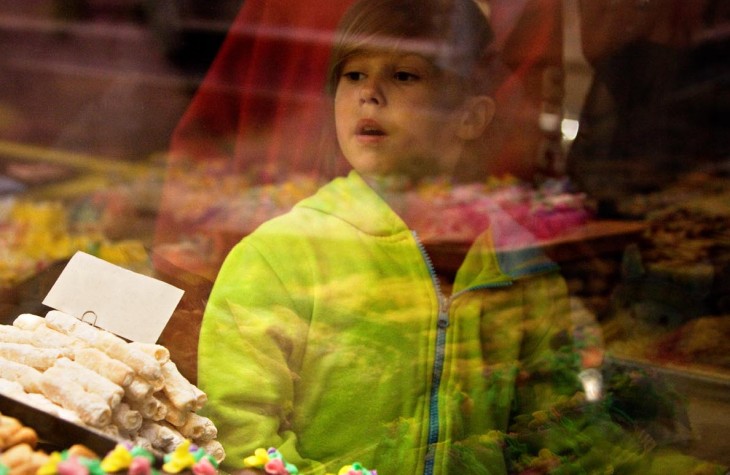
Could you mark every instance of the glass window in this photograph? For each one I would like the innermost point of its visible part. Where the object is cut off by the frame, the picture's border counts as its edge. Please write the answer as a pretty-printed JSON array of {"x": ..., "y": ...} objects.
[{"x": 550, "y": 176}]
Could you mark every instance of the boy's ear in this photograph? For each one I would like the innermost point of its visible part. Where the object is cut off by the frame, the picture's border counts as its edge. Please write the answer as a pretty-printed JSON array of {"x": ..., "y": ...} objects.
[{"x": 477, "y": 113}]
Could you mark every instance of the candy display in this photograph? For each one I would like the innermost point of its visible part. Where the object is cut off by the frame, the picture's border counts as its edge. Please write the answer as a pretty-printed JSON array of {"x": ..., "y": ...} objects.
[
  {"x": 672, "y": 306},
  {"x": 546, "y": 210},
  {"x": 445, "y": 212},
  {"x": 22, "y": 457},
  {"x": 237, "y": 205},
  {"x": 126, "y": 458},
  {"x": 129, "y": 391},
  {"x": 272, "y": 462},
  {"x": 33, "y": 235},
  {"x": 441, "y": 212}
]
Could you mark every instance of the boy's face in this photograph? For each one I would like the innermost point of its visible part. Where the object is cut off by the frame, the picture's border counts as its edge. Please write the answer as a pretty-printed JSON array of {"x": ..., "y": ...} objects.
[{"x": 391, "y": 116}]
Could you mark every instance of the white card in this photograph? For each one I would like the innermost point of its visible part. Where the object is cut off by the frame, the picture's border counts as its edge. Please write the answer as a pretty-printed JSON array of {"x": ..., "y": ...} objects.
[{"x": 128, "y": 304}]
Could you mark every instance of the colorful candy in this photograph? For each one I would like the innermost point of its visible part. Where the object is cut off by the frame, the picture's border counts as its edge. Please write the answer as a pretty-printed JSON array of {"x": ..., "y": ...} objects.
[
  {"x": 51, "y": 466},
  {"x": 273, "y": 463},
  {"x": 356, "y": 469},
  {"x": 257, "y": 460},
  {"x": 179, "y": 459},
  {"x": 62, "y": 463},
  {"x": 117, "y": 460},
  {"x": 140, "y": 466},
  {"x": 72, "y": 466},
  {"x": 205, "y": 466}
]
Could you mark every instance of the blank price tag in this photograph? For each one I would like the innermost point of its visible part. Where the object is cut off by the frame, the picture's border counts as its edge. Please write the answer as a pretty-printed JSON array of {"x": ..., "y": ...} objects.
[{"x": 128, "y": 304}]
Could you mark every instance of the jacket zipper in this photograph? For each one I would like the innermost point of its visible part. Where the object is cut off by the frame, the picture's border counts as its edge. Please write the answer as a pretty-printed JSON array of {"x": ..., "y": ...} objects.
[
  {"x": 438, "y": 365},
  {"x": 444, "y": 304}
]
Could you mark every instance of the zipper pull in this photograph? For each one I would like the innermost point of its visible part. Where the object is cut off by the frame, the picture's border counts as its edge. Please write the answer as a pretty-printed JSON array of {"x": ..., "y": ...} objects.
[
  {"x": 443, "y": 320},
  {"x": 444, "y": 303}
]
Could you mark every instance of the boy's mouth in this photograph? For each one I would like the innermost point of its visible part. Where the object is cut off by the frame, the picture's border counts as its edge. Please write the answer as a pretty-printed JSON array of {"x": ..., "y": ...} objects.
[{"x": 369, "y": 127}]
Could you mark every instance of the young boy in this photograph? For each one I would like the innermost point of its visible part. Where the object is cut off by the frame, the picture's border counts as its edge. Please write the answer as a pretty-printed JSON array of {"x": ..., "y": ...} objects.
[{"x": 328, "y": 334}]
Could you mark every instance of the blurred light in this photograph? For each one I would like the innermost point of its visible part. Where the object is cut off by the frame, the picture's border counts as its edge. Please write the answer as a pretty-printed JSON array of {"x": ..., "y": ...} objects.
[
  {"x": 569, "y": 128},
  {"x": 549, "y": 122},
  {"x": 592, "y": 384}
]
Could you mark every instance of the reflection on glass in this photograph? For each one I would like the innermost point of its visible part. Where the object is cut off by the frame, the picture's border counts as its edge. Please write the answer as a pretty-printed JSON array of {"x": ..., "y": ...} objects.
[
  {"x": 484, "y": 370},
  {"x": 118, "y": 139}
]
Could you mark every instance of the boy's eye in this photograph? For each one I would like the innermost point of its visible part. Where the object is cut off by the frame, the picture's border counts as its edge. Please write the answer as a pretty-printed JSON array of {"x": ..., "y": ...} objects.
[
  {"x": 405, "y": 76},
  {"x": 353, "y": 75}
]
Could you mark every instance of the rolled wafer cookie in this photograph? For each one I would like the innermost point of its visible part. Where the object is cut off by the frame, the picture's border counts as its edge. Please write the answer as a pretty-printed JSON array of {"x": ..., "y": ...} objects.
[
  {"x": 43, "y": 403},
  {"x": 28, "y": 321},
  {"x": 101, "y": 363},
  {"x": 111, "y": 430},
  {"x": 178, "y": 389},
  {"x": 142, "y": 363},
  {"x": 91, "y": 381},
  {"x": 200, "y": 398},
  {"x": 38, "y": 358},
  {"x": 145, "y": 365},
  {"x": 162, "y": 436},
  {"x": 27, "y": 376},
  {"x": 143, "y": 442},
  {"x": 151, "y": 408},
  {"x": 199, "y": 428},
  {"x": 126, "y": 418},
  {"x": 40, "y": 337},
  {"x": 47, "y": 337},
  {"x": 61, "y": 321},
  {"x": 15, "y": 390},
  {"x": 158, "y": 384},
  {"x": 66, "y": 392},
  {"x": 158, "y": 352},
  {"x": 138, "y": 390},
  {"x": 11, "y": 334},
  {"x": 174, "y": 416}
]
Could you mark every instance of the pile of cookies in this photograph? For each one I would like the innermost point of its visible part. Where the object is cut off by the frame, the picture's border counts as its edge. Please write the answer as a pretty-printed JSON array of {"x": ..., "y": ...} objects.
[{"x": 129, "y": 391}]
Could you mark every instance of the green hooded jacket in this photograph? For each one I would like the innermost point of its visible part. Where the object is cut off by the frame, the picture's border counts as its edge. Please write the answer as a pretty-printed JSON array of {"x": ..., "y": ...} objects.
[{"x": 327, "y": 337}]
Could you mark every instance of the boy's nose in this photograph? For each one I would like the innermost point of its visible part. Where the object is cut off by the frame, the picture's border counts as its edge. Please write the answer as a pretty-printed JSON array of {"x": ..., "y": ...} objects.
[{"x": 370, "y": 93}]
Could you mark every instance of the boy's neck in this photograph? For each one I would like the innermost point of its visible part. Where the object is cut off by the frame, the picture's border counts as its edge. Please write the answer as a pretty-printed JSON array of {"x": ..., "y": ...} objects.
[
  {"x": 396, "y": 184},
  {"x": 397, "y": 191},
  {"x": 392, "y": 189},
  {"x": 389, "y": 184}
]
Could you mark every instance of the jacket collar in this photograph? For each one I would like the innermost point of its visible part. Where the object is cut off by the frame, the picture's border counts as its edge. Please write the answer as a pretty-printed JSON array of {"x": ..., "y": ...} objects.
[
  {"x": 352, "y": 200},
  {"x": 487, "y": 264},
  {"x": 503, "y": 253}
]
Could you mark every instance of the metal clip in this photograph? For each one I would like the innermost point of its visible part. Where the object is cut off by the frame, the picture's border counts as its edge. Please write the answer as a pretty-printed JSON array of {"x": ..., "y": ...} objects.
[{"x": 93, "y": 314}]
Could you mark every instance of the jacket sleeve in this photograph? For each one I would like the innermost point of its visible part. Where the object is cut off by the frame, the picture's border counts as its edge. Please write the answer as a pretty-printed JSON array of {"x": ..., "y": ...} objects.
[
  {"x": 549, "y": 362},
  {"x": 250, "y": 344}
]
